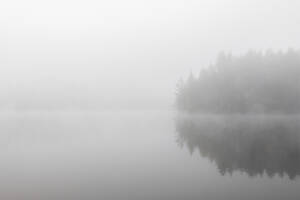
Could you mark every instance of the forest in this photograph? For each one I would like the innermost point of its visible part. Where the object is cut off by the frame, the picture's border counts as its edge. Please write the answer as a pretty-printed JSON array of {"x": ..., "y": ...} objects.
[{"x": 255, "y": 82}]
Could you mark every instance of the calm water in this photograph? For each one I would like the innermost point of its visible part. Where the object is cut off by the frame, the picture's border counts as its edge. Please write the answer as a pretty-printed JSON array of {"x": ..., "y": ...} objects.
[{"x": 148, "y": 156}]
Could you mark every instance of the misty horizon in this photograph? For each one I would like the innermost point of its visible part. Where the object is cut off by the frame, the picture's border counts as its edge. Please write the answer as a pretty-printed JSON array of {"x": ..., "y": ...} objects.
[
  {"x": 149, "y": 100},
  {"x": 127, "y": 54}
]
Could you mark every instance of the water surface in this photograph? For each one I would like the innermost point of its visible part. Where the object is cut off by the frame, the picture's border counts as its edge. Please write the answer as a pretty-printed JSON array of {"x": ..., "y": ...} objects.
[{"x": 148, "y": 155}]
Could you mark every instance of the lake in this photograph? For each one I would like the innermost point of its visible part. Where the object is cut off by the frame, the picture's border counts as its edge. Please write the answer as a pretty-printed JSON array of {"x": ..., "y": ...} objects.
[{"x": 148, "y": 155}]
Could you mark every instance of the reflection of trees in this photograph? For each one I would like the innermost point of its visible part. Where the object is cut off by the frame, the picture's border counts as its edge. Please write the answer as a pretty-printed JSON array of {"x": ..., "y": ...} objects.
[{"x": 255, "y": 145}]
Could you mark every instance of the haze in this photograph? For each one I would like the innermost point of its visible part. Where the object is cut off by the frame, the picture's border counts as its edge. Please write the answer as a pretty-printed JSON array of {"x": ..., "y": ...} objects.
[
  {"x": 126, "y": 54},
  {"x": 149, "y": 100}
]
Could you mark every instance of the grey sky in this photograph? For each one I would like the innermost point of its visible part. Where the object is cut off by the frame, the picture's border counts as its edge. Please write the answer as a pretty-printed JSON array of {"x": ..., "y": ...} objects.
[{"x": 131, "y": 51}]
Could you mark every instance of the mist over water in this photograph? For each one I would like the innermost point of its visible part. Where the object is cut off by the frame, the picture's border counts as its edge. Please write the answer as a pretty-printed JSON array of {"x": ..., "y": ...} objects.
[
  {"x": 149, "y": 100},
  {"x": 138, "y": 155}
]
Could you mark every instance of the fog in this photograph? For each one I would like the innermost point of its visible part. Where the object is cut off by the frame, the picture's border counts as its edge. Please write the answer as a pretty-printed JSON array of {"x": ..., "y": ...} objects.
[
  {"x": 149, "y": 100},
  {"x": 126, "y": 54}
]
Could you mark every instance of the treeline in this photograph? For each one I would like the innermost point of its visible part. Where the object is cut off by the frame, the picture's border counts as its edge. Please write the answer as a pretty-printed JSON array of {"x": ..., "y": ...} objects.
[{"x": 256, "y": 82}]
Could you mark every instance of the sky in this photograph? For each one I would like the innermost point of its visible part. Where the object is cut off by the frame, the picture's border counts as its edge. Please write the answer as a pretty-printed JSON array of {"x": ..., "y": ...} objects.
[{"x": 127, "y": 54}]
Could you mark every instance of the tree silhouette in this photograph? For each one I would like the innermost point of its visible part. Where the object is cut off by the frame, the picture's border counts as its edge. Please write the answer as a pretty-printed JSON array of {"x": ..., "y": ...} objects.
[{"x": 253, "y": 83}]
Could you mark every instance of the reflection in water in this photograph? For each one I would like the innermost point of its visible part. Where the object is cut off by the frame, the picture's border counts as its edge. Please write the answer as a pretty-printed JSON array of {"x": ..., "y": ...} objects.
[{"x": 256, "y": 145}]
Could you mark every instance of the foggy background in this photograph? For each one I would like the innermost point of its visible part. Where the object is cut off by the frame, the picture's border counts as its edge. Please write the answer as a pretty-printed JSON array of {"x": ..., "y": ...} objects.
[
  {"x": 117, "y": 56},
  {"x": 126, "y": 54}
]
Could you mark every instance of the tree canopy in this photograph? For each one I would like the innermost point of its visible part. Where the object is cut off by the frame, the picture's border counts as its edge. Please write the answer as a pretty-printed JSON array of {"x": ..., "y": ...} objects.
[{"x": 255, "y": 82}]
